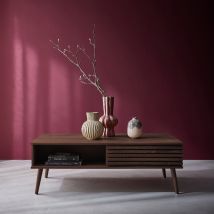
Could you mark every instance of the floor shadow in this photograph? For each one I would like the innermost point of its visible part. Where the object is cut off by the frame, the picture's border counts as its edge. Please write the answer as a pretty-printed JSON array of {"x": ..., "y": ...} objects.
[
  {"x": 116, "y": 184},
  {"x": 153, "y": 184},
  {"x": 189, "y": 181},
  {"x": 196, "y": 184}
]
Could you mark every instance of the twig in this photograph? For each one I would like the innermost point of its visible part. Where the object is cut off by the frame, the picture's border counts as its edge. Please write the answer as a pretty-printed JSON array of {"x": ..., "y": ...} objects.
[{"x": 73, "y": 58}]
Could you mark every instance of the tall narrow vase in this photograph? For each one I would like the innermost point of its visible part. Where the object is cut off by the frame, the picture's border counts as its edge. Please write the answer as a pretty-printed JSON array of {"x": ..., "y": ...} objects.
[{"x": 108, "y": 120}]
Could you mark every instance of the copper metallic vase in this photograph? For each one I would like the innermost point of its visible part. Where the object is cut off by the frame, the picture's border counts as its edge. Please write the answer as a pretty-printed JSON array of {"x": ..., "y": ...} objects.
[{"x": 108, "y": 120}]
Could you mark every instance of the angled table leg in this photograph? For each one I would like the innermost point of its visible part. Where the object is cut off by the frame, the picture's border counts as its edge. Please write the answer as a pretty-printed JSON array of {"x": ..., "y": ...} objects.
[
  {"x": 46, "y": 172},
  {"x": 174, "y": 180},
  {"x": 164, "y": 172},
  {"x": 38, "y": 180}
]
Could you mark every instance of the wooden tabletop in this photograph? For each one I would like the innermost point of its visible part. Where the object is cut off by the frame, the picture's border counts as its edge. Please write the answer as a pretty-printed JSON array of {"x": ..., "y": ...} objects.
[{"x": 69, "y": 139}]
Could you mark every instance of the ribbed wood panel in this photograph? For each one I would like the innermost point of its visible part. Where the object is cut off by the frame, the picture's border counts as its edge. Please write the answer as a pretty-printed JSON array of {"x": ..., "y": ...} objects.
[
  {"x": 143, "y": 156},
  {"x": 141, "y": 163},
  {"x": 127, "y": 159},
  {"x": 155, "y": 155},
  {"x": 144, "y": 151},
  {"x": 143, "y": 147}
]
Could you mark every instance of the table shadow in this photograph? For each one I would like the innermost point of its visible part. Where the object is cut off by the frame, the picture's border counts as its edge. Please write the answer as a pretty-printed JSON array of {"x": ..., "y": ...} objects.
[{"x": 187, "y": 184}]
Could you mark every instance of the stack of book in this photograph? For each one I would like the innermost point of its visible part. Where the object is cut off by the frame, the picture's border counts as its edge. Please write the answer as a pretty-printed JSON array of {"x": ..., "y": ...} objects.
[{"x": 66, "y": 159}]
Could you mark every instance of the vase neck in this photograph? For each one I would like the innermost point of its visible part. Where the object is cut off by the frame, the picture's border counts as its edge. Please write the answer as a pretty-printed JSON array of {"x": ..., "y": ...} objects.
[
  {"x": 108, "y": 105},
  {"x": 94, "y": 116}
]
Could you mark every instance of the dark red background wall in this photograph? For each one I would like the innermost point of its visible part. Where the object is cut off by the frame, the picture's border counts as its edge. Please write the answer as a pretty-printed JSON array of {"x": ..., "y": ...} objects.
[{"x": 154, "y": 57}]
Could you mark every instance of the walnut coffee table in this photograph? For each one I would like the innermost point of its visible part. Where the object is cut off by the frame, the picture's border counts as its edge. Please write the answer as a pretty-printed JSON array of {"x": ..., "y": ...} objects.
[{"x": 152, "y": 151}]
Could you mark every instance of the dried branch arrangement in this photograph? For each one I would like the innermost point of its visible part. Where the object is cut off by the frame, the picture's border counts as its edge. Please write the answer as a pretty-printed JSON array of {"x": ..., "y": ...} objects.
[{"x": 73, "y": 57}]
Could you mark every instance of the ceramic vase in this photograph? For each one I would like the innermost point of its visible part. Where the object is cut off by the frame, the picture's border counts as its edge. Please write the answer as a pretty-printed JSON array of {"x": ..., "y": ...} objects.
[
  {"x": 108, "y": 120},
  {"x": 134, "y": 129},
  {"x": 92, "y": 129}
]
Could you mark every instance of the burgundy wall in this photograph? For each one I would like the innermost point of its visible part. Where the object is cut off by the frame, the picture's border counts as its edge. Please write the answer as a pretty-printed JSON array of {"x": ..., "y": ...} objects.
[{"x": 154, "y": 57}]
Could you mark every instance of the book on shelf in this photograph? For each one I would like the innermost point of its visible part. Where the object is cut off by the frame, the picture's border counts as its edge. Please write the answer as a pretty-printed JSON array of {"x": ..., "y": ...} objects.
[
  {"x": 63, "y": 163},
  {"x": 64, "y": 159}
]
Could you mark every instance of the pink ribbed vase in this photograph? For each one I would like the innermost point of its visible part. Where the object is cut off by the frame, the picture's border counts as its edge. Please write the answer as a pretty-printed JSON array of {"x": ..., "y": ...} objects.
[{"x": 108, "y": 120}]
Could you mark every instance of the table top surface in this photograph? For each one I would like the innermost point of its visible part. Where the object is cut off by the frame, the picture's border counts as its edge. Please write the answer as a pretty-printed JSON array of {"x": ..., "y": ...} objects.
[{"x": 120, "y": 139}]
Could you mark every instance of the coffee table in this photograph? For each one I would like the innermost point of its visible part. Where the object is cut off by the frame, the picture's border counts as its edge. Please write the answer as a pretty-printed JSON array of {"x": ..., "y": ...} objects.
[{"x": 152, "y": 151}]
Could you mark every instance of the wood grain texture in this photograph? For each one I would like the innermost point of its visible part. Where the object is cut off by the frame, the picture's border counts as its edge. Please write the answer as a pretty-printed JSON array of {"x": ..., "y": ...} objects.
[
  {"x": 130, "y": 147},
  {"x": 155, "y": 150},
  {"x": 155, "y": 155},
  {"x": 128, "y": 159},
  {"x": 38, "y": 180},
  {"x": 46, "y": 172},
  {"x": 69, "y": 139},
  {"x": 164, "y": 172},
  {"x": 143, "y": 163},
  {"x": 105, "y": 166},
  {"x": 145, "y": 151},
  {"x": 174, "y": 180},
  {"x": 85, "y": 166}
]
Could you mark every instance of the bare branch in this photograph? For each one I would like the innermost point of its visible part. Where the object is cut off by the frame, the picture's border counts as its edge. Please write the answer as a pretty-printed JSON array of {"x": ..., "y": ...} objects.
[{"x": 73, "y": 57}]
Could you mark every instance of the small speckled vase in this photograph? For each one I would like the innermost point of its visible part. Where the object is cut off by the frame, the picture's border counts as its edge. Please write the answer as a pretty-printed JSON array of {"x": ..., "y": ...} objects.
[
  {"x": 134, "y": 129},
  {"x": 92, "y": 129}
]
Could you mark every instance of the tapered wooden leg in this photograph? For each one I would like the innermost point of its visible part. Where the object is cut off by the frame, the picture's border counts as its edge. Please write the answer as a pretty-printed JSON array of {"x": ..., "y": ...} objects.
[
  {"x": 46, "y": 172},
  {"x": 174, "y": 180},
  {"x": 164, "y": 172},
  {"x": 38, "y": 180}
]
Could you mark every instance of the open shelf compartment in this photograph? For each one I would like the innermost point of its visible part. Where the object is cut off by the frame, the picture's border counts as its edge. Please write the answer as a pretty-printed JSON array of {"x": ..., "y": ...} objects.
[{"x": 90, "y": 155}]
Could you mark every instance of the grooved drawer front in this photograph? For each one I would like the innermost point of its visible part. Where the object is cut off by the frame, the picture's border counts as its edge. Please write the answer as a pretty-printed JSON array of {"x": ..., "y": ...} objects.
[{"x": 144, "y": 156}]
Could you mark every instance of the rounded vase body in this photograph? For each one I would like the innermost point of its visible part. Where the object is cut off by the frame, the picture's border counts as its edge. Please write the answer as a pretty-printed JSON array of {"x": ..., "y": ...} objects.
[
  {"x": 92, "y": 129},
  {"x": 134, "y": 129}
]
